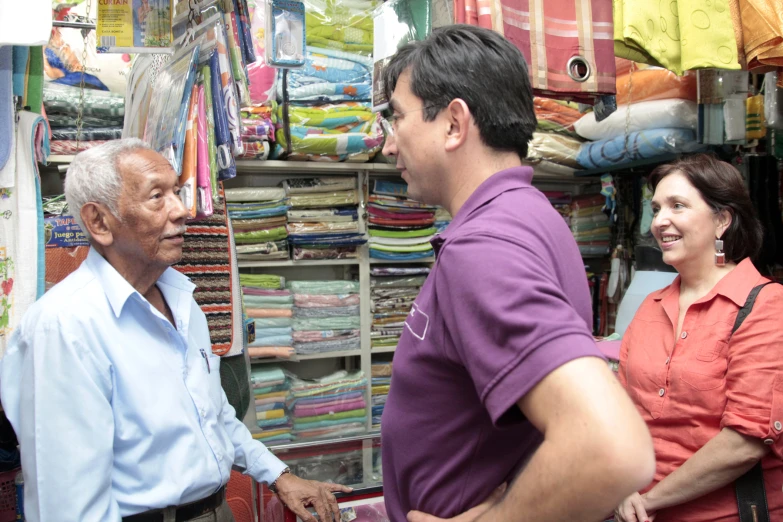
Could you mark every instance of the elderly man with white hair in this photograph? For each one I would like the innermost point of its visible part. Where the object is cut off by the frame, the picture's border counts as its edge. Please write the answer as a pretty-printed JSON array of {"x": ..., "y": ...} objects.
[{"x": 110, "y": 381}]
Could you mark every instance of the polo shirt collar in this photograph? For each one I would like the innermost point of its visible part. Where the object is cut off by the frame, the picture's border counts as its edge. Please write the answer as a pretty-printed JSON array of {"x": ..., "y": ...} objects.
[
  {"x": 495, "y": 185},
  {"x": 118, "y": 290}
]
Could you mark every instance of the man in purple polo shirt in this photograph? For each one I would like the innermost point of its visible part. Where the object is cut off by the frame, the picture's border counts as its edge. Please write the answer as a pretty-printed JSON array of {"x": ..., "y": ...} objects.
[{"x": 496, "y": 377}]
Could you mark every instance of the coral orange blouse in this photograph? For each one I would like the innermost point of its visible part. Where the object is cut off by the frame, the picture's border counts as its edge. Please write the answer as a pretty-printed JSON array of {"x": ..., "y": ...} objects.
[{"x": 688, "y": 389}]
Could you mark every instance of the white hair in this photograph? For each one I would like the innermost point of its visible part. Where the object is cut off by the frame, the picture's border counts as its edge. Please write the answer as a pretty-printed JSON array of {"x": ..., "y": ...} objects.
[{"x": 93, "y": 176}]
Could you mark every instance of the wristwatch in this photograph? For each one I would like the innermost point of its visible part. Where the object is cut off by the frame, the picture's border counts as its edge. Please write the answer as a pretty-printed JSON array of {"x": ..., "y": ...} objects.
[{"x": 273, "y": 485}]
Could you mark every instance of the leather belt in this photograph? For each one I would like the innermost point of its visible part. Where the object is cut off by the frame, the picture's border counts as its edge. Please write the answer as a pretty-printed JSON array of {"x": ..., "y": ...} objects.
[{"x": 184, "y": 512}]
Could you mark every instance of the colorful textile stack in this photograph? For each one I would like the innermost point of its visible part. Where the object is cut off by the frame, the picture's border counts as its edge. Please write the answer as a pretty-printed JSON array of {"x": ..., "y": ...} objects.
[
  {"x": 103, "y": 117},
  {"x": 400, "y": 228},
  {"x": 326, "y": 316},
  {"x": 556, "y": 116},
  {"x": 555, "y": 140},
  {"x": 258, "y": 130},
  {"x": 590, "y": 226},
  {"x": 561, "y": 201},
  {"x": 393, "y": 291},
  {"x": 323, "y": 219},
  {"x": 329, "y": 407},
  {"x": 381, "y": 380},
  {"x": 269, "y": 304},
  {"x": 270, "y": 390},
  {"x": 258, "y": 215},
  {"x": 336, "y": 76}
]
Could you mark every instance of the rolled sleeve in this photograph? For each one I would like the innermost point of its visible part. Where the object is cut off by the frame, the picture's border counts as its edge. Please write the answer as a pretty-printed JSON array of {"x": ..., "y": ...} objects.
[
  {"x": 754, "y": 379},
  {"x": 511, "y": 323}
]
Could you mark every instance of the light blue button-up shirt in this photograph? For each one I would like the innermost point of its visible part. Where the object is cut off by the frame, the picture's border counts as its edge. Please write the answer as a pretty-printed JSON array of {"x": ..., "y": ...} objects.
[{"x": 116, "y": 410}]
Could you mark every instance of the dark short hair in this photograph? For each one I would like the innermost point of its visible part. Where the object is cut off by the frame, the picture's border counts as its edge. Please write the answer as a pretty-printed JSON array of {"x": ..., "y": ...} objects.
[
  {"x": 478, "y": 66},
  {"x": 722, "y": 188}
]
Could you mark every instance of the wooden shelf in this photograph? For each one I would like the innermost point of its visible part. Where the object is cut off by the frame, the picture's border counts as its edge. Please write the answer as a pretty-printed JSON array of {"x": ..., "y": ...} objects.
[
  {"x": 291, "y": 262},
  {"x": 383, "y": 349},
  {"x": 307, "y": 357}
]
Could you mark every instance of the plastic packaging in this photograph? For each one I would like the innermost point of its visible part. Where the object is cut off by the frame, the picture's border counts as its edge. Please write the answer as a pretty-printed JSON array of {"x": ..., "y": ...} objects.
[
  {"x": 659, "y": 114},
  {"x": 225, "y": 159},
  {"x": 773, "y": 101},
  {"x": 254, "y": 194},
  {"x": 131, "y": 27},
  {"x": 636, "y": 146},
  {"x": 342, "y": 25},
  {"x": 654, "y": 83},
  {"x": 755, "y": 126},
  {"x": 262, "y": 77},
  {"x": 397, "y": 282},
  {"x": 285, "y": 33},
  {"x": 556, "y": 116},
  {"x": 554, "y": 147},
  {"x": 311, "y": 185},
  {"x": 321, "y": 228},
  {"x": 203, "y": 179},
  {"x": 323, "y": 287},
  {"x": 188, "y": 178},
  {"x": 165, "y": 129},
  {"x": 330, "y": 75},
  {"x": 325, "y": 199}
]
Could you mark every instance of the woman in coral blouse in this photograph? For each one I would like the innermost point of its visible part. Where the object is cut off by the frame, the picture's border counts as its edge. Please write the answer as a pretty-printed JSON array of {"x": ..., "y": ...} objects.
[{"x": 713, "y": 401}]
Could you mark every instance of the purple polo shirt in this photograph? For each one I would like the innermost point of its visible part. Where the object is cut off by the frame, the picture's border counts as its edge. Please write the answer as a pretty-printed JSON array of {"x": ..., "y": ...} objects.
[{"x": 506, "y": 303}]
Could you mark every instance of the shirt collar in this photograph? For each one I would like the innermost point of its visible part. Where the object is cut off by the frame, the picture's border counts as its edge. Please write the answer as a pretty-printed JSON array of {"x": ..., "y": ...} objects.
[
  {"x": 736, "y": 285},
  {"x": 118, "y": 290},
  {"x": 492, "y": 187}
]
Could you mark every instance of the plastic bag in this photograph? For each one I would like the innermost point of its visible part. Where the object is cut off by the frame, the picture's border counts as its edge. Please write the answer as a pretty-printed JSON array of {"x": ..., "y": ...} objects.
[
  {"x": 338, "y": 24},
  {"x": 310, "y": 185},
  {"x": 330, "y": 75},
  {"x": 285, "y": 33},
  {"x": 131, "y": 27},
  {"x": 654, "y": 83},
  {"x": 636, "y": 146},
  {"x": 773, "y": 101},
  {"x": 262, "y": 77},
  {"x": 323, "y": 287},
  {"x": 254, "y": 194},
  {"x": 659, "y": 114}
]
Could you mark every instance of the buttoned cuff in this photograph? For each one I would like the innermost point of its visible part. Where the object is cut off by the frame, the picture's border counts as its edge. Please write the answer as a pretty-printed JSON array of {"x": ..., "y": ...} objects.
[{"x": 266, "y": 468}]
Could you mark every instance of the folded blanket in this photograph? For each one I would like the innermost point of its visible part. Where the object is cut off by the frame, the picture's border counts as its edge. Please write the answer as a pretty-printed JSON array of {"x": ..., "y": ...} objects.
[
  {"x": 88, "y": 134},
  {"x": 658, "y": 114},
  {"x": 336, "y": 345},
  {"x": 319, "y": 300},
  {"x": 334, "y": 287},
  {"x": 260, "y": 236},
  {"x": 326, "y": 312},
  {"x": 638, "y": 145},
  {"x": 350, "y": 252},
  {"x": 252, "y": 194},
  {"x": 64, "y": 99},
  {"x": 256, "y": 313},
  {"x": 281, "y": 352},
  {"x": 324, "y": 335}
]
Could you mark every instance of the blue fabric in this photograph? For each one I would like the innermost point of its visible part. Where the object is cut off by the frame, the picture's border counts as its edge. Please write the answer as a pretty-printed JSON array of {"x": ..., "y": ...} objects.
[
  {"x": 273, "y": 332},
  {"x": 21, "y": 54},
  {"x": 277, "y": 340},
  {"x": 380, "y": 254},
  {"x": 6, "y": 103},
  {"x": 253, "y": 214},
  {"x": 97, "y": 344},
  {"x": 638, "y": 145}
]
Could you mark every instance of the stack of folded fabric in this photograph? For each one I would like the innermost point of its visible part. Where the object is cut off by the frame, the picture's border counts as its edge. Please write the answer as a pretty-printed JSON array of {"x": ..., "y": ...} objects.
[
  {"x": 326, "y": 316},
  {"x": 269, "y": 304},
  {"x": 330, "y": 116},
  {"x": 381, "y": 380},
  {"x": 393, "y": 291},
  {"x": 400, "y": 228},
  {"x": 561, "y": 201},
  {"x": 329, "y": 407},
  {"x": 589, "y": 225},
  {"x": 258, "y": 216},
  {"x": 555, "y": 140},
  {"x": 258, "y": 130},
  {"x": 270, "y": 390},
  {"x": 556, "y": 116},
  {"x": 442, "y": 219},
  {"x": 103, "y": 116},
  {"x": 323, "y": 219}
]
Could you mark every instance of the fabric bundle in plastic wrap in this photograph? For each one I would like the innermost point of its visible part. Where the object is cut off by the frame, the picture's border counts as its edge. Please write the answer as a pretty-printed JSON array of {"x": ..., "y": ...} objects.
[
  {"x": 647, "y": 115},
  {"x": 326, "y": 316},
  {"x": 269, "y": 305},
  {"x": 399, "y": 228},
  {"x": 328, "y": 407},
  {"x": 103, "y": 112},
  {"x": 555, "y": 148},
  {"x": 636, "y": 146},
  {"x": 270, "y": 387},
  {"x": 589, "y": 225},
  {"x": 330, "y": 75},
  {"x": 394, "y": 288},
  {"x": 642, "y": 83},
  {"x": 556, "y": 116},
  {"x": 347, "y": 131},
  {"x": 323, "y": 220},
  {"x": 258, "y": 131},
  {"x": 381, "y": 380},
  {"x": 259, "y": 219}
]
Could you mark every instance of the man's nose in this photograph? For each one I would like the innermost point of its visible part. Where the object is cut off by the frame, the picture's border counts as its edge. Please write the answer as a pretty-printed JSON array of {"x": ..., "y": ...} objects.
[{"x": 390, "y": 146}]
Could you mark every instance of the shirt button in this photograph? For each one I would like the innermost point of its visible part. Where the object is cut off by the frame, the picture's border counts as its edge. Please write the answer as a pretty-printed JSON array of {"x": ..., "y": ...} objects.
[
  {"x": 778, "y": 425},
  {"x": 667, "y": 360},
  {"x": 768, "y": 442},
  {"x": 203, "y": 413},
  {"x": 661, "y": 392},
  {"x": 684, "y": 335}
]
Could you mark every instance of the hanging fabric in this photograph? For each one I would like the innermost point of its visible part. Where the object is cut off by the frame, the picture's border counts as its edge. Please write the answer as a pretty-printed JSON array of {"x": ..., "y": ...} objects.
[
  {"x": 567, "y": 45},
  {"x": 21, "y": 229},
  {"x": 762, "y": 29},
  {"x": 483, "y": 13},
  {"x": 679, "y": 35}
]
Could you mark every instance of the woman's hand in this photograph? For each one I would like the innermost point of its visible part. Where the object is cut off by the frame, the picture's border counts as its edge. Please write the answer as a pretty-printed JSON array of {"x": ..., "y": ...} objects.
[
  {"x": 633, "y": 509},
  {"x": 467, "y": 516}
]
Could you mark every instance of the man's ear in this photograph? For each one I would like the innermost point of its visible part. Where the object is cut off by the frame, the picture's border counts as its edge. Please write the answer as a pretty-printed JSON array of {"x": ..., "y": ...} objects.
[
  {"x": 97, "y": 220},
  {"x": 459, "y": 119}
]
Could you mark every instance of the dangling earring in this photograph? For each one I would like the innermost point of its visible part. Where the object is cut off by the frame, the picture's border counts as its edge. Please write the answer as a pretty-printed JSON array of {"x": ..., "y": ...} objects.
[{"x": 720, "y": 257}]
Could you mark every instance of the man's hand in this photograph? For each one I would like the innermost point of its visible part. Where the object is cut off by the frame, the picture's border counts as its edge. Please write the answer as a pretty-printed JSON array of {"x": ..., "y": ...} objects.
[
  {"x": 467, "y": 516},
  {"x": 299, "y": 494},
  {"x": 633, "y": 509}
]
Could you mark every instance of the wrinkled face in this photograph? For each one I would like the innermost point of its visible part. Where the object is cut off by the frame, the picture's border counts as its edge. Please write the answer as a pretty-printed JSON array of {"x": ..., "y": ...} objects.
[
  {"x": 684, "y": 225},
  {"x": 415, "y": 143},
  {"x": 152, "y": 216}
]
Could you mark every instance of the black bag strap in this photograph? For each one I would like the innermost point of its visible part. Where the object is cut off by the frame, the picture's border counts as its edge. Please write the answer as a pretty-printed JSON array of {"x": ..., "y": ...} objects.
[{"x": 750, "y": 490}]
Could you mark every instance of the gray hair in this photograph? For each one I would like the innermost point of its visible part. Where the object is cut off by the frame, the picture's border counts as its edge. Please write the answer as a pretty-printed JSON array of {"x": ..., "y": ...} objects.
[{"x": 93, "y": 176}]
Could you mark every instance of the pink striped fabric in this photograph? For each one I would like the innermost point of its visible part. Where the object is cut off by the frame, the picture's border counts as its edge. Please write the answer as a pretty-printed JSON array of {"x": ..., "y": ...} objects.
[{"x": 549, "y": 33}]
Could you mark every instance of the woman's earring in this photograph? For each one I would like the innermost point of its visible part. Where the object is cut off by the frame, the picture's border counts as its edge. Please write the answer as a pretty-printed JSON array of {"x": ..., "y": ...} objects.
[{"x": 720, "y": 257}]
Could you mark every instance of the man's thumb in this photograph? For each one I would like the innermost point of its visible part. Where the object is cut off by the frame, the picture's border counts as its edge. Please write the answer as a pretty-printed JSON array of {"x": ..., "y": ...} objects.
[{"x": 418, "y": 516}]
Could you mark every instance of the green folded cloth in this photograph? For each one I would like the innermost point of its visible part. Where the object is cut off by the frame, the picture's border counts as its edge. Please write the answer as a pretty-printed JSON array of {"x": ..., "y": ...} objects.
[
  {"x": 403, "y": 233},
  {"x": 260, "y": 236},
  {"x": 403, "y": 248},
  {"x": 268, "y": 301},
  {"x": 266, "y": 281},
  {"x": 331, "y": 416}
]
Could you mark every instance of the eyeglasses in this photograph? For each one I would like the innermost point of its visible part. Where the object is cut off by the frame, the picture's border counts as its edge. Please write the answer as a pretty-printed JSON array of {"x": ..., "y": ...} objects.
[{"x": 387, "y": 122}]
